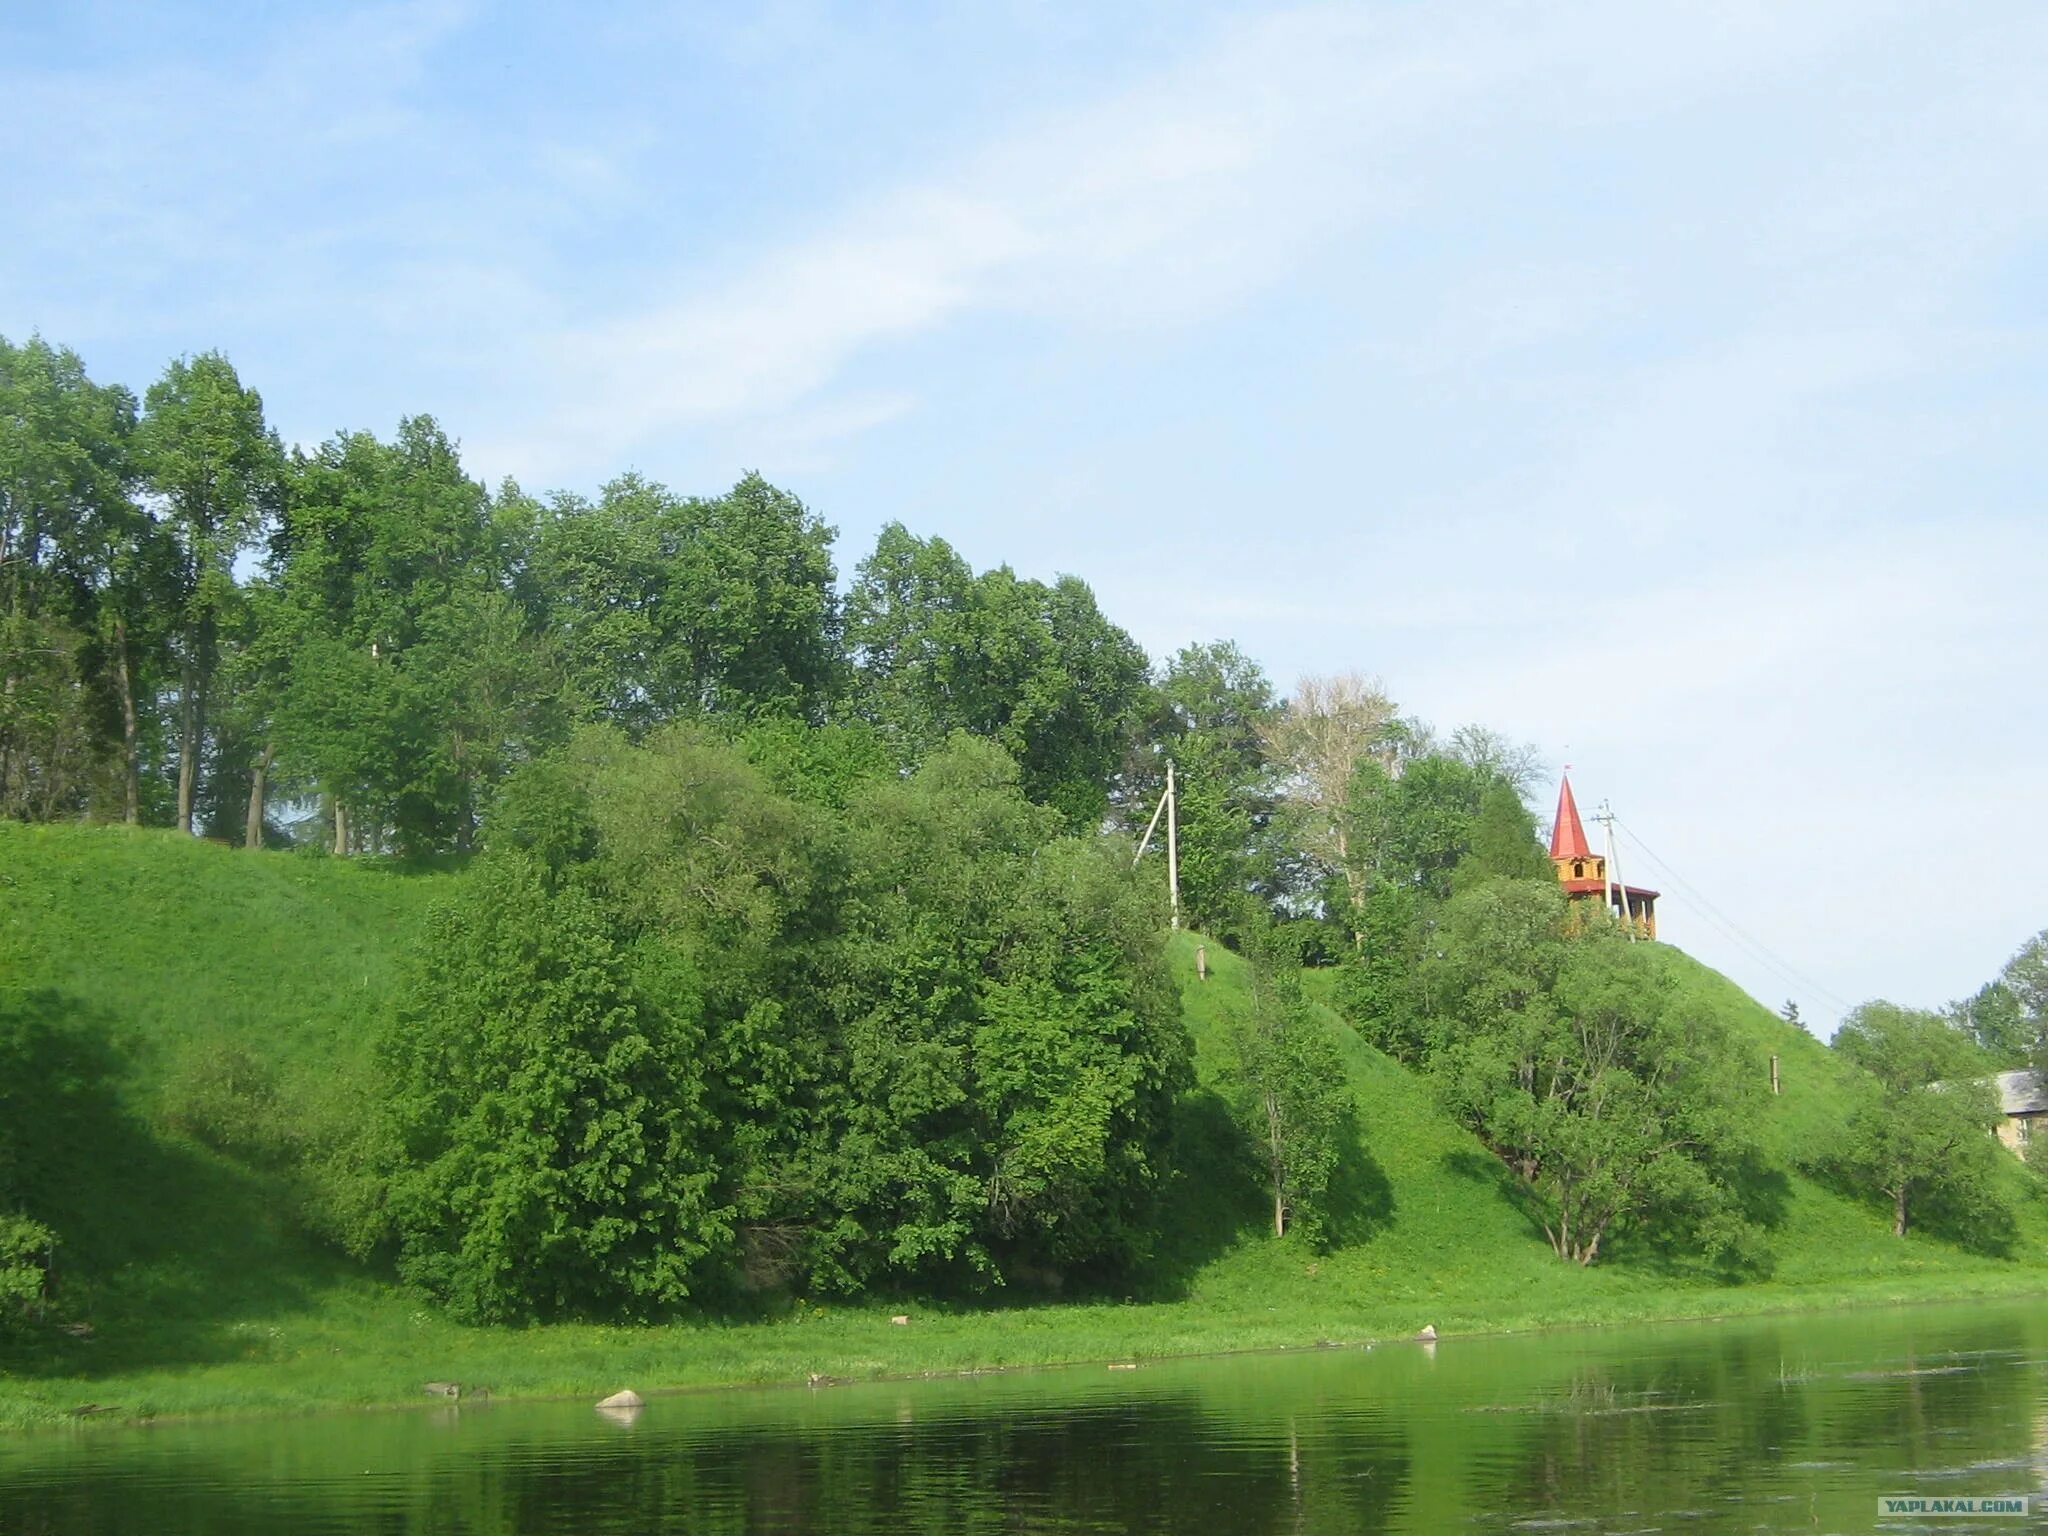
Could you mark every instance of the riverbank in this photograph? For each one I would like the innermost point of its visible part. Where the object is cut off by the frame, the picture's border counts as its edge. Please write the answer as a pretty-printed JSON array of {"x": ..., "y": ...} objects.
[
  {"x": 361, "y": 1352},
  {"x": 185, "y": 1289}
]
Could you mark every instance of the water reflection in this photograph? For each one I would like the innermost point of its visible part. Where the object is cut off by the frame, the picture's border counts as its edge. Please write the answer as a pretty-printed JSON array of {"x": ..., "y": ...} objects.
[{"x": 1779, "y": 1425}]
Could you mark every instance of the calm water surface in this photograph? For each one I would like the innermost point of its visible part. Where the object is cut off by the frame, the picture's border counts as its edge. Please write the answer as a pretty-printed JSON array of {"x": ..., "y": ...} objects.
[{"x": 1794, "y": 1424}]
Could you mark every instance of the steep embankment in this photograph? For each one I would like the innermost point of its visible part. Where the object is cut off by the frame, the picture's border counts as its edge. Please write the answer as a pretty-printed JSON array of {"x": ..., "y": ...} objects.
[
  {"x": 173, "y": 1015},
  {"x": 153, "y": 989}
]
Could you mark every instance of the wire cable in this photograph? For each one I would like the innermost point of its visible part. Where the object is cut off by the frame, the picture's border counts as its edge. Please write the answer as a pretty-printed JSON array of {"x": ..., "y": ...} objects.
[{"x": 1783, "y": 969}]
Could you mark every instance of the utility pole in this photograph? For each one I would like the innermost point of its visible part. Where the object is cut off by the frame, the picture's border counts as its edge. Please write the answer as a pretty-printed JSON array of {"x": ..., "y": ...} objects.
[
  {"x": 1169, "y": 808},
  {"x": 1172, "y": 845},
  {"x": 1611, "y": 870}
]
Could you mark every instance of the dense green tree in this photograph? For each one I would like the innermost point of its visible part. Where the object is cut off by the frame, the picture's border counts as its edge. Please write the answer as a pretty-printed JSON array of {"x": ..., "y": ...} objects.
[
  {"x": 1502, "y": 841},
  {"x": 2008, "y": 1015},
  {"x": 552, "y": 1151},
  {"x": 1016, "y": 1045},
  {"x": 1382, "y": 981},
  {"x": 25, "y": 1247},
  {"x": 217, "y": 472},
  {"x": 1413, "y": 828},
  {"x": 910, "y": 627},
  {"x": 1613, "y": 1102},
  {"x": 1441, "y": 824},
  {"x": 81, "y": 582},
  {"x": 1289, "y": 1094},
  {"x": 940, "y": 1045},
  {"x": 1924, "y": 1131},
  {"x": 1997, "y": 1020},
  {"x": 672, "y": 608},
  {"x": 1037, "y": 669},
  {"x": 409, "y": 679},
  {"x": 1210, "y": 705}
]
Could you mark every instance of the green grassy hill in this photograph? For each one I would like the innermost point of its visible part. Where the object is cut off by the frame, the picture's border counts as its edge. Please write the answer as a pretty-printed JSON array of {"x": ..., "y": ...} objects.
[
  {"x": 1447, "y": 1235},
  {"x": 147, "y": 981},
  {"x": 154, "y": 988}
]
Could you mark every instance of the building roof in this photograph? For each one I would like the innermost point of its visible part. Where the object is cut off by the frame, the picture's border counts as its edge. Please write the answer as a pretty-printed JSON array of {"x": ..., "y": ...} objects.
[
  {"x": 1568, "y": 833},
  {"x": 2021, "y": 1092},
  {"x": 1591, "y": 887}
]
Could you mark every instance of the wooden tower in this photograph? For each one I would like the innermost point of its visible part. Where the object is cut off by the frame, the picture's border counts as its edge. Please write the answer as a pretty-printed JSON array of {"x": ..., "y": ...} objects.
[{"x": 1588, "y": 876}]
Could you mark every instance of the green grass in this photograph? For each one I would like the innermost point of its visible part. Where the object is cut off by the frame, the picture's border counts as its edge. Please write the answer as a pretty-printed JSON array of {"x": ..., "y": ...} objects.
[{"x": 137, "y": 954}]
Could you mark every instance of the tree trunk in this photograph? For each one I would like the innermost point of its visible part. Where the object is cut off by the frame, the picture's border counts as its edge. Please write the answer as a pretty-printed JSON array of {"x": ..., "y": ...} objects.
[
  {"x": 1899, "y": 1211},
  {"x": 340, "y": 828},
  {"x": 1353, "y": 882},
  {"x": 188, "y": 742},
  {"x": 252, "y": 829},
  {"x": 131, "y": 746},
  {"x": 1279, "y": 1165}
]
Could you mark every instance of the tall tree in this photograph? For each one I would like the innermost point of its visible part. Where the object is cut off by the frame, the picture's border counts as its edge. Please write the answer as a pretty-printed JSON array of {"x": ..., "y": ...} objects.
[
  {"x": 76, "y": 579},
  {"x": 1317, "y": 741},
  {"x": 676, "y": 608},
  {"x": 1615, "y": 1102},
  {"x": 217, "y": 472},
  {"x": 414, "y": 678},
  {"x": 2008, "y": 1015},
  {"x": 1502, "y": 841},
  {"x": 1290, "y": 1096},
  {"x": 1037, "y": 669},
  {"x": 1411, "y": 830},
  {"x": 910, "y": 625},
  {"x": 1924, "y": 1132},
  {"x": 1209, "y": 712}
]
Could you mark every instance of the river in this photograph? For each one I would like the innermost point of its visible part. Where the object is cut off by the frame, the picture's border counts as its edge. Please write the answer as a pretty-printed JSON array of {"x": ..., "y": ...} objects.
[{"x": 1779, "y": 1424}]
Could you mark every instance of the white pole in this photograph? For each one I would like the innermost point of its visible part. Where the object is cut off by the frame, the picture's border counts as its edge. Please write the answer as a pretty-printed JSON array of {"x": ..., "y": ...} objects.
[
  {"x": 1628, "y": 915},
  {"x": 1606, "y": 854},
  {"x": 1172, "y": 846},
  {"x": 1152, "y": 825}
]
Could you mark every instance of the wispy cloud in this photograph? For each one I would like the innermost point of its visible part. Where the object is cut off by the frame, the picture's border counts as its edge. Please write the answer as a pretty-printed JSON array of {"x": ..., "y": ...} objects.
[{"x": 1160, "y": 204}]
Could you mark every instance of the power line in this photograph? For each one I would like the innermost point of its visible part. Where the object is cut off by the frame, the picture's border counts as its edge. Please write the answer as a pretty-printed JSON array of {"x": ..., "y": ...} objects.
[{"x": 1730, "y": 929}]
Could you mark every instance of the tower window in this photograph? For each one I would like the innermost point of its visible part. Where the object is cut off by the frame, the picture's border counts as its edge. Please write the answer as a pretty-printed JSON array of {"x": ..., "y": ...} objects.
[{"x": 1578, "y": 869}]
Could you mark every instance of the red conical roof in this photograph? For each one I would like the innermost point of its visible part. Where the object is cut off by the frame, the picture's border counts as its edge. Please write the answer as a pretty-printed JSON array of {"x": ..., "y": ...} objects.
[{"x": 1568, "y": 833}]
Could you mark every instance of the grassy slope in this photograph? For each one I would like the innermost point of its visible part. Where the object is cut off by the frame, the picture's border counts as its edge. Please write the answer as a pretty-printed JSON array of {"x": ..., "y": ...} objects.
[{"x": 138, "y": 948}]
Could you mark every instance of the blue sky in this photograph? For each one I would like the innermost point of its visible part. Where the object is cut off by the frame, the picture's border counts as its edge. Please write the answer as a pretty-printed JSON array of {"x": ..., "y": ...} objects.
[{"x": 1662, "y": 384}]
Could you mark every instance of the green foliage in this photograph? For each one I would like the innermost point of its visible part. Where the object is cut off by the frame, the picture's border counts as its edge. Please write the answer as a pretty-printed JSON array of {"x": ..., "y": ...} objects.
[
  {"x": 1922, "y": 1132},
  {"x": 547, "y": 1113},
  {"x": 79, "y": 569},
  {"x": 1288, "y": 1094},
  {"x": 1502, "y": 842},
  {"x": 1210, "y": 708},
  {"x": 405, "y": 679},
  {"x": 936, "y": 1044},
  {"x": 1413, "y": 830},
  {"x": 1562, "y": 1049},
  {"x": 25, "y": 1249},
  {"x": 673, "y": 608},
  {"x": 1034, "y": 668},
  {"x": 1381, "y": 983},
  {"x": 218, "y": 471},
  {"x": 1998, "y": 1021}
]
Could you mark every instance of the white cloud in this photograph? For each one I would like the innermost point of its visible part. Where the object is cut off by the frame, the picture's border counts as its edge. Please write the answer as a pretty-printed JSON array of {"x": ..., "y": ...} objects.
[{"x": 1176, "y": 196}]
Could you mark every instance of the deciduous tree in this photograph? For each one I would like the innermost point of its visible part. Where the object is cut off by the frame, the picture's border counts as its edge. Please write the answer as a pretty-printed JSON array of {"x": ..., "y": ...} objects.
[
  {"x": 1923, "y": 1132},
  {"x": 217, "y": 472},
  {"x": 1613, "y": 1102},
  {"x": 1289, "y": 1093},
  {"x": 552, "y": 1154}
]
